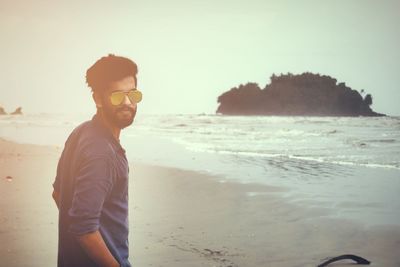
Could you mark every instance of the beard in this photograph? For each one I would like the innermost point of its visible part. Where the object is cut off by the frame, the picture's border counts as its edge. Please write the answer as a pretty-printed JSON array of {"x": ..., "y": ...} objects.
[{"x": 120, "y": 117}]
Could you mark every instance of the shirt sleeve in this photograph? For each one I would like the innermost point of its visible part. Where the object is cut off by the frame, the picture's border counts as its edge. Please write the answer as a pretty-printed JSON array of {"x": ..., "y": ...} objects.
[
  {"x": 63, "y": 162},
  {"x": 56, "y": 183},
  {"x": 92, "y": 183}
]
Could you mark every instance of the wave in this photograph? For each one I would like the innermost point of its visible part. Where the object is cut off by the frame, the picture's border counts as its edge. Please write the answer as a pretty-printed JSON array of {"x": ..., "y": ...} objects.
[
  {"x": 370, "y": 142},
  {"x": 318, "y": 159},
  {"x": 382, "y": 140}
]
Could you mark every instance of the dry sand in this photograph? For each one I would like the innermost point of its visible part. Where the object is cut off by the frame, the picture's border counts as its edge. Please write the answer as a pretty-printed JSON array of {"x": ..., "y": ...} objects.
[{"x": 183, "y": 218}]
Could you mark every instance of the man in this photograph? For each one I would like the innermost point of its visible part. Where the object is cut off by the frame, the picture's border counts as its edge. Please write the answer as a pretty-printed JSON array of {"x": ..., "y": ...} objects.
[{"x": 91, "y": 185}]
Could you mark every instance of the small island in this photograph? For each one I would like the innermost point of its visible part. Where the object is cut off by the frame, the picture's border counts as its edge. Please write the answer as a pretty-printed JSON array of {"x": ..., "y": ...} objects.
[
  {"x": 2, "y": 111},
  {"x": 306, "y": 94},
  {"x": 18, "y": 111}
]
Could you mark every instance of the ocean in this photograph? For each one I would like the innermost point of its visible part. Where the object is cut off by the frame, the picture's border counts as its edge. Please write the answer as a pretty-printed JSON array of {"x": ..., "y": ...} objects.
[{"x": 349, "y": 166}]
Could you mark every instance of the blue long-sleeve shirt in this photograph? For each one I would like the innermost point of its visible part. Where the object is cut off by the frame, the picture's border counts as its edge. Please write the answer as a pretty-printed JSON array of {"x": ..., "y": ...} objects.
[{"x": 92, "y": 181}]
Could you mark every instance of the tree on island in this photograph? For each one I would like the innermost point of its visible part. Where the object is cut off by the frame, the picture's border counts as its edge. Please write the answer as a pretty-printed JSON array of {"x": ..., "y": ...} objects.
[{"x": 306, "y": 94}]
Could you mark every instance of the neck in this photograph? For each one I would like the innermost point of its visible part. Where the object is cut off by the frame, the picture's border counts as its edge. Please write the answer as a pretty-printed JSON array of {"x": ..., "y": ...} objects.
[{"x": 114, "y": 130}]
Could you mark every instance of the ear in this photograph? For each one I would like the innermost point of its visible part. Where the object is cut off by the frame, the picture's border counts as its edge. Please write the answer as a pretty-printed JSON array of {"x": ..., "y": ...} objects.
[{"x": 97, "y": 100}]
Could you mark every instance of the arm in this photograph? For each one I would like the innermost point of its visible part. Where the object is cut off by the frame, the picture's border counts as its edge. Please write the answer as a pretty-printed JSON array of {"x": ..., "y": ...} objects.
[
  {"x": 92, "y": 183},
  {"x": 97, "y": 250},
  {"x": 56, "y": 183},
  {"x": 56, "y": 197}
]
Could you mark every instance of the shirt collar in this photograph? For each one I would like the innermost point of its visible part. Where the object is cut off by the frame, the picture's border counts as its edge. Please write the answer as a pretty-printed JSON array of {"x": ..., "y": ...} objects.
[{"x": 98, "y": 122}]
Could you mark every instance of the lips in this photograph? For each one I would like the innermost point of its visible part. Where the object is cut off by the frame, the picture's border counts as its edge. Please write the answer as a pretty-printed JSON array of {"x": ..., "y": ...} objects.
[{"x": 126, "y": 112}]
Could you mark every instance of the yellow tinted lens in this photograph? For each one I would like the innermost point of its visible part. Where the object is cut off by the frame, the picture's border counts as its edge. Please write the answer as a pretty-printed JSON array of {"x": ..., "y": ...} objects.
[
  {"x": 117, "y": 98},
  {"x": 135, "y": 96}
]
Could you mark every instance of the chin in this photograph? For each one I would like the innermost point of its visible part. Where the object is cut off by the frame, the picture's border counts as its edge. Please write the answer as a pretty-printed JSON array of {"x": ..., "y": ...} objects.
[
  {"x": 124, "y": 122},
  {"x": 120, "y": 119}
]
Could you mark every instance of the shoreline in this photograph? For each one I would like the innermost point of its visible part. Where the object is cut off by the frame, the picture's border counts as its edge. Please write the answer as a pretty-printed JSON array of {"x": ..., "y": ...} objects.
[{"x": 183, "y": 218}]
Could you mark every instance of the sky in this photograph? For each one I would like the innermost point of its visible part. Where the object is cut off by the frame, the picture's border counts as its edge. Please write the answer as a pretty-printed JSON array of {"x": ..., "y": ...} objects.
[{"x": 190, "y": 52}]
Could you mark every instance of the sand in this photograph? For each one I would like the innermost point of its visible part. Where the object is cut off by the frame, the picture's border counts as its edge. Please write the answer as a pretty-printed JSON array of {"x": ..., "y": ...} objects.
[{"x": 183, "y": 218}]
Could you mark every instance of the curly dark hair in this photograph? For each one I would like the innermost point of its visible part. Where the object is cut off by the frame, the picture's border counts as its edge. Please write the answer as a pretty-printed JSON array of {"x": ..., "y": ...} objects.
[{"x": 109, "y": 69}]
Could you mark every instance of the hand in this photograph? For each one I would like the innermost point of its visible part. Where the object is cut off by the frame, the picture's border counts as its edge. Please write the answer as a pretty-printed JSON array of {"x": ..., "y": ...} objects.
[{"x": 97, "y": 249}]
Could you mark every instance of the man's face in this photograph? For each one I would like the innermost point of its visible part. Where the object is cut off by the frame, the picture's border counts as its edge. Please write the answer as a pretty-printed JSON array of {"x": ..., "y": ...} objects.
[{"x": 121, "y": 115}]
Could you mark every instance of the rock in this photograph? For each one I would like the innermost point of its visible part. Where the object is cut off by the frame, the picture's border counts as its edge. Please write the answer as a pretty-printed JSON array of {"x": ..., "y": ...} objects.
[
  {"x": 18, "y": 111},
  {"x": 2, "y": 111}
]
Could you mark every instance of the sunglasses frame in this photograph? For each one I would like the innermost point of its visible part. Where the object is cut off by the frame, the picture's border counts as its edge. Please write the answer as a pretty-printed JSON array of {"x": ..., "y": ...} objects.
[{"x": 126, "y": 94}]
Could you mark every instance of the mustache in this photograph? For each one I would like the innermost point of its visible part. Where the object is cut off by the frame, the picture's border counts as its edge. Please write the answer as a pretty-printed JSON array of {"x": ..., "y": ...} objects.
[{"x": 127, "y": 108}]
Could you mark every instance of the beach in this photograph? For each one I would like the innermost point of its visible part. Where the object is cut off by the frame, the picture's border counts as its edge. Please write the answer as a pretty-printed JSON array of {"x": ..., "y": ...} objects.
[{"x": 184, "y": 218}]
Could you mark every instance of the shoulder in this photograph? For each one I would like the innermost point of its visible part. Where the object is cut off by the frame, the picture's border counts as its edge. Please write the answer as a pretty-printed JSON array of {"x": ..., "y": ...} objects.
[{"x": 90, "y": 142}]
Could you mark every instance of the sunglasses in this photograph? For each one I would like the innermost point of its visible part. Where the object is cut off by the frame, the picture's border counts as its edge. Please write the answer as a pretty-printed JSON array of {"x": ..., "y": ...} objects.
[{"x": 117, "y": 98}]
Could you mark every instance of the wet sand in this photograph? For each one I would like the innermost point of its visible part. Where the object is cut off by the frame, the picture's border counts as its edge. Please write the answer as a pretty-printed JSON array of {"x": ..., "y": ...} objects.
[{"x": 183, "y": 218}]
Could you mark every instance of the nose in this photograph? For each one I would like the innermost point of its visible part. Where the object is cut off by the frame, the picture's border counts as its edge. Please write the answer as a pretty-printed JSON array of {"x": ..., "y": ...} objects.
[{"x": 128, "y": 102}]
